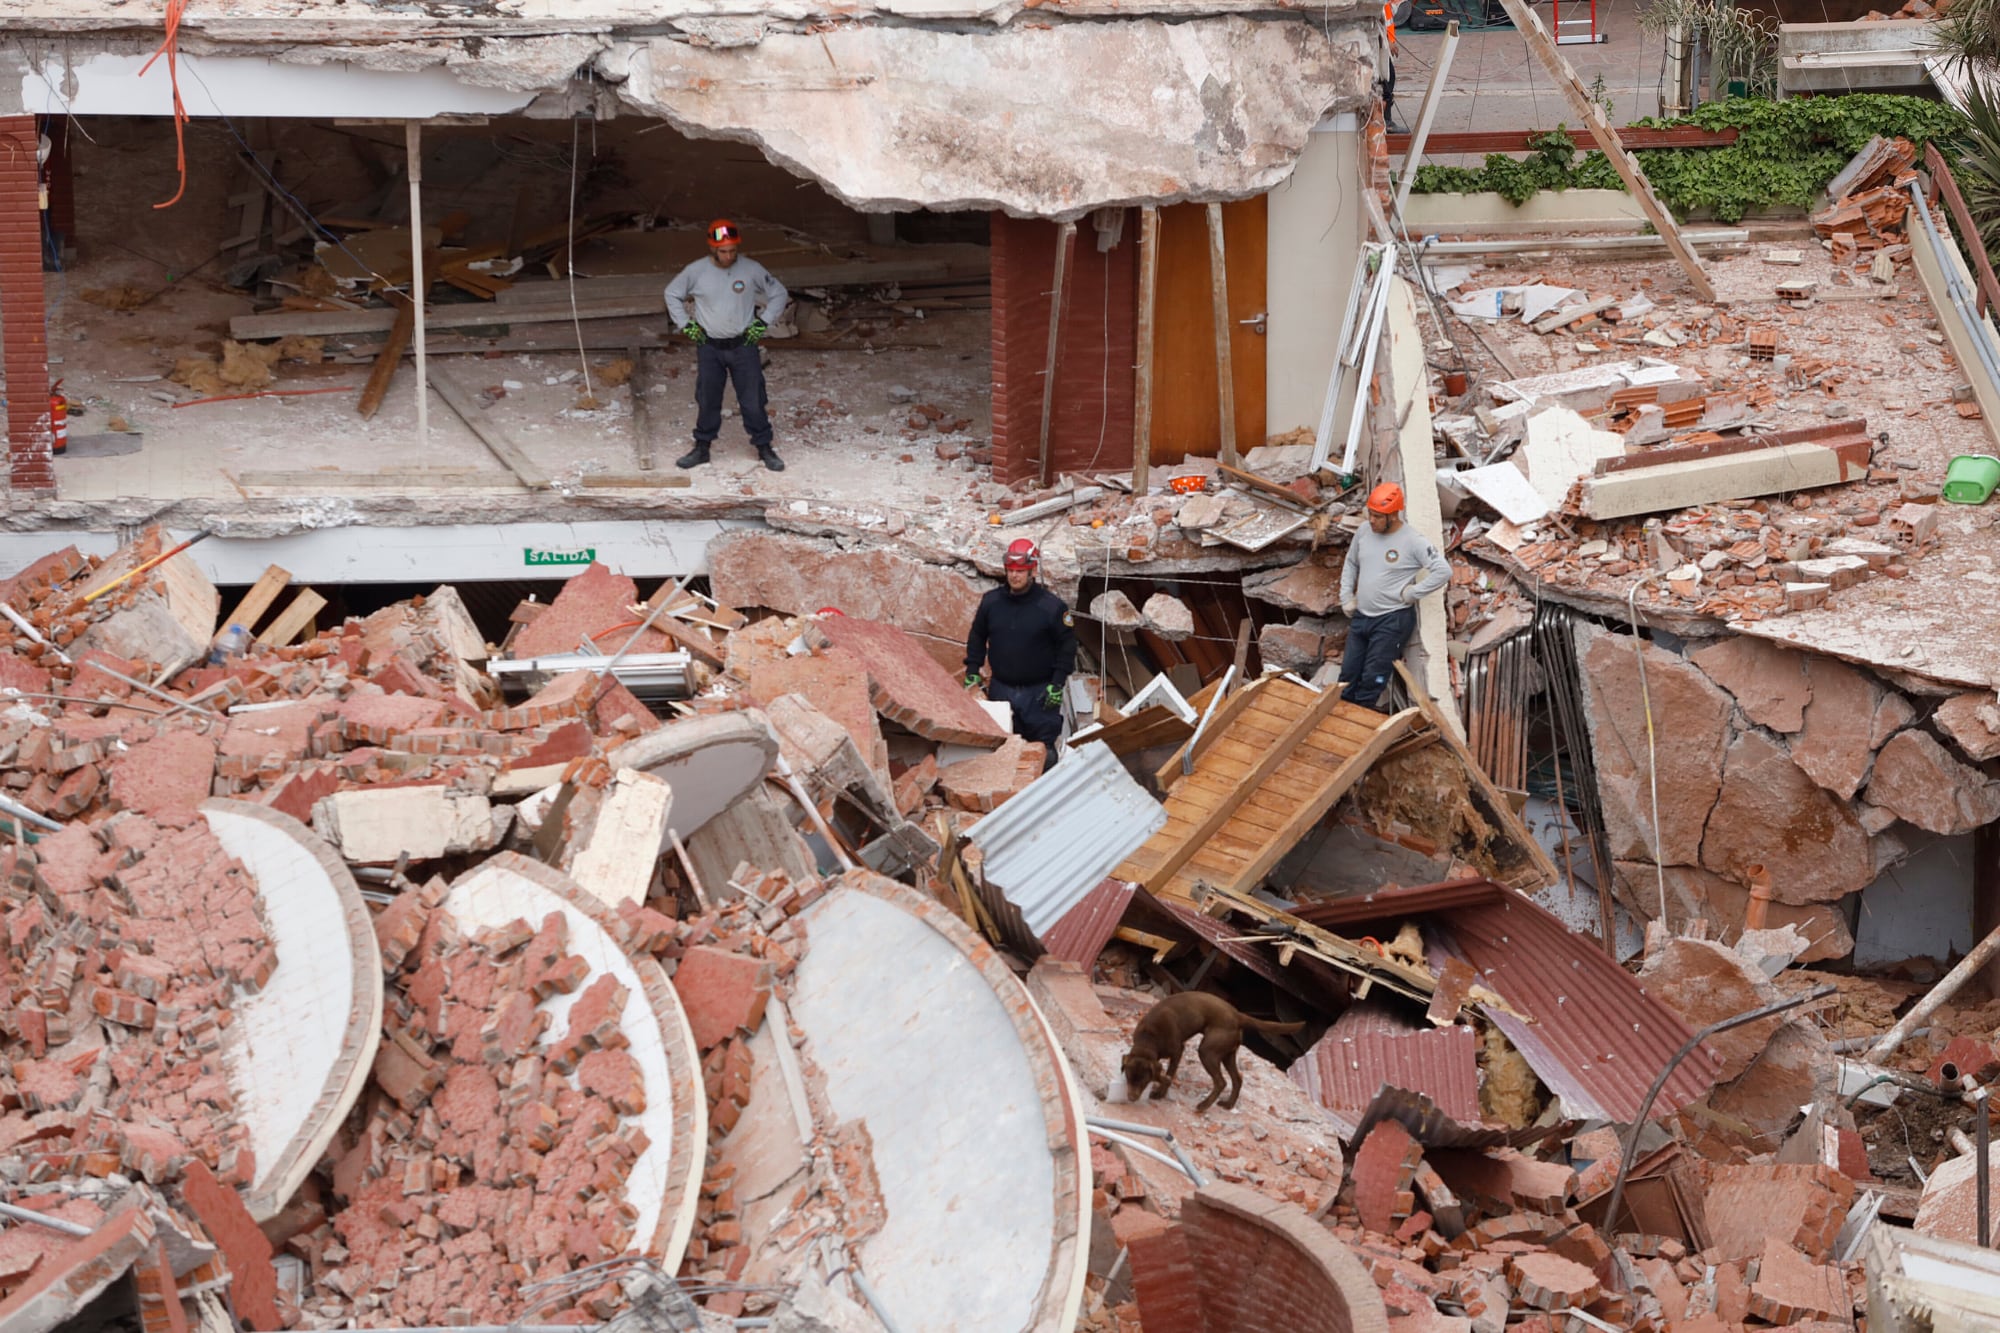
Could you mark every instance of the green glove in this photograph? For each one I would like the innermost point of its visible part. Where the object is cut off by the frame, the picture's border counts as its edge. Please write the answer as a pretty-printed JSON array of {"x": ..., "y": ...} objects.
[
  {"x": 972, "y": 681},
  {"x": 695, "y": 333},
  {"x": 758, "y": 328},
  {"x": 1053, "y": 696}
]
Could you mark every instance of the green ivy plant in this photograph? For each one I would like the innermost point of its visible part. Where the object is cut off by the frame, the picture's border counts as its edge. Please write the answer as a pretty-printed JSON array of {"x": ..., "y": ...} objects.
[{"x": 1784, "y": 154}]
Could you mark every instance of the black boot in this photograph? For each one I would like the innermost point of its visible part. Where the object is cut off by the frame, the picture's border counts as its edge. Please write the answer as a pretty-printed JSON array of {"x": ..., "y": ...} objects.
[
  {"x": 771, "y": 459},
  {"x": 694, "y": 457}
]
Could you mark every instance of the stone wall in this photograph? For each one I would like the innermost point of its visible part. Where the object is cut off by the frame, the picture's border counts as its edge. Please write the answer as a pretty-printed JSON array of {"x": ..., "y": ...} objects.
[{"x": 1799, "y": 764}]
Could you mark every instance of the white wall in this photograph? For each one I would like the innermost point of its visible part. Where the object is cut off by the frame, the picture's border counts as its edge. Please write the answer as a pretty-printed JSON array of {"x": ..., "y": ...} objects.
[
  {"x": 1315, "y": 232},
  {"x": 1921, "y": 908}
]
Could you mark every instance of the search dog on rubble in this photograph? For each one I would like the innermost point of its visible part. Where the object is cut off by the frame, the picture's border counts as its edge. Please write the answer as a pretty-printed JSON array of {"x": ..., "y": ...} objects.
[{"x": 1164, "y": 1032}]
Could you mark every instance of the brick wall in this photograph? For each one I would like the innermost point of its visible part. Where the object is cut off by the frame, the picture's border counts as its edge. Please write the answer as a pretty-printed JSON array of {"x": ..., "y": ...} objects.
[
  {"x": 1250, "y": 1264},
  {"x": 1091, "y": 420},
  {"x": 23, "y": 333}
]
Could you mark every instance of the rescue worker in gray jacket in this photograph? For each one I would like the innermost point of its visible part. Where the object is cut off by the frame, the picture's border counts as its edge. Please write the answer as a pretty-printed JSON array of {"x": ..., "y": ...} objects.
[
  {"x": 736, "y": 300},
  {"x": 1390, "y": 567}
]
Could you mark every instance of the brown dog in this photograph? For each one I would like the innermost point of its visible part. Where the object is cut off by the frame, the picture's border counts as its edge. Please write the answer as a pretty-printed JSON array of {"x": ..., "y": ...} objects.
[{"x": 1165, "y": 1030}]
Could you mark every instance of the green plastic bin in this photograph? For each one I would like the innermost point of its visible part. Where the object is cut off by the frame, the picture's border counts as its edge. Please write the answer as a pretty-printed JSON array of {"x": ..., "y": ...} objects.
[{"x": 1971, "y": 478}]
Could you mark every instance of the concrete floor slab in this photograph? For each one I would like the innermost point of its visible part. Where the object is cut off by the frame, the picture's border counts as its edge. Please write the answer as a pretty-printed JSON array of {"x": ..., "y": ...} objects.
[
  {"x": 967, "y": 1101},
  {"x": 709, "y": 762}
]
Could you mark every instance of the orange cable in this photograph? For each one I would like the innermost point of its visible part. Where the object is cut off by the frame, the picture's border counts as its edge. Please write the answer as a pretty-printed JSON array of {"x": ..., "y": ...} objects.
[{"x": 170, "y": 47}]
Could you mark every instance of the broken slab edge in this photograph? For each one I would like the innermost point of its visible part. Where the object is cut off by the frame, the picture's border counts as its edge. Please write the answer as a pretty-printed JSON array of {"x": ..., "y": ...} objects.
[
  {"x": 279, "y": 1178},
  {"x": 1063, "y": 1111},
  {"x": 687, "y": 1146}
]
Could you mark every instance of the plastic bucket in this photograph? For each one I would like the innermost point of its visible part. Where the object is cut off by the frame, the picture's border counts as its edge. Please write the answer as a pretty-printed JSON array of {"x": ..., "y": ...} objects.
[{"x": 1971, "y": 478}]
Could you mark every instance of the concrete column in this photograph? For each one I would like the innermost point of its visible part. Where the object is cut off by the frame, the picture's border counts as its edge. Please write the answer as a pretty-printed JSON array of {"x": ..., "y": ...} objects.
[{"x": 23, "y": 321}]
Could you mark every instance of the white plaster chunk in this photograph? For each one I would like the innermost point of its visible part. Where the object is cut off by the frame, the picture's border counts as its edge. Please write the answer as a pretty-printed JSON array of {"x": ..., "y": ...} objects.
[
  {"x": 375, "y": 827},
  {"x": 907, "y": 117},
  {"x": 614, "y": 861}
]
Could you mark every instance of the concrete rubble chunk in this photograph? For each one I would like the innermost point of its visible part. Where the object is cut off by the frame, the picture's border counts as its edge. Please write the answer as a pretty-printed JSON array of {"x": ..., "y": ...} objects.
[
  {"x": 1114, "y": 610},
  {"x": 709, "y": 762},
  {"x": 1822, "y": 853},
  {"x": 907, "y": 686},
  {"x": 982, "y": 783},
  {"x": 1790, "y": 1288},
  {"x": 593, "y": 602},
  {"x": 1796, "y": 1068},
  {"x": 1750, "y": 1203},
  {"x": 1949, "y": 1206},
  {"x": 1769, "y": 684},
  {"x": 1300, "y": 646},
  {"x": 836, "y": 688},
  {"x": 376, "y": 826},
  {"x": 1168, "y": 617},
  {"x": 165, "y": 616},
  {"x": 1696, "y": 894},
  {"x": 1311, "y": 586},
  {"x": 1972, "y": 720},
  {"x": 1917, "y": 780},
  {"x": 613, "y": 858},
  {"x": 1705, "y": 982},
  {"x": 1850, "y": 716}
]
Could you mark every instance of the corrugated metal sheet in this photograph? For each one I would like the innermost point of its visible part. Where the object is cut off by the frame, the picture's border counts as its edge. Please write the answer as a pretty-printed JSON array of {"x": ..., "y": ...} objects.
[
  {"x": 1087, "y": 927},
  {"x": 1370, "y": 1048},
  {"x": 1058, "y": 837},
  {"x": 1597, "y": 1040}
]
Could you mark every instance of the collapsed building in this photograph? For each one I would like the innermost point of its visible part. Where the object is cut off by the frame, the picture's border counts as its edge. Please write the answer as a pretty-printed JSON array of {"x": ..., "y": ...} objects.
[{"x": 589, "y": 897}]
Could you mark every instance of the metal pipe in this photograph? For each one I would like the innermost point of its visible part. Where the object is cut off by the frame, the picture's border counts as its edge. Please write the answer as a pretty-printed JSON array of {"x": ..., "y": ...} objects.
[
  {"x": 868, "y": 1294},
  {"x": 29, "y": 1215},
  {"x": 1974, "y": 323},
  {"x": 1214, "y": 702},
  {"x": 1173, "y": 1144},
  {"x": 1947, "y": 987},
  {"x": 1153, "y": 1153},
  {"x": 804, "y": 798},
  {"x": 1630, "y": 1148},
  {"x": 1846, "y": 1044},
  {"x": 23, "y": 813},
  {"x": 1982, "y": 1172}
]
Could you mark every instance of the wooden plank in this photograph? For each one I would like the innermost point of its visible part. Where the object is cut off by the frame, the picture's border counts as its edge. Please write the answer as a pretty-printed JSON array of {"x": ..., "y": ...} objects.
[
  {"x": 1522, "y": 141},
  {"x": 1142, "y": 395},
  {"x": 1065, "y": 241},
  {"x": 640, "y": 384},
  {"x": 1627, "y": 166},
  {"x": 390, "y": 357},
  {"x": 1339, "y": 782},
  {"x": 257, "y": 601},
  {"x": 292, "y": 620},
  {"x": 1426, "y": 116},
  {"x": 1225, "y": 379},
  {"x": 1264, "y": 486},
  {"x": 1225, "y": 715},
  {"x": 1213, "y": 822},
  {"x": 495, "y": 439},
  {"x": 1502, "y": 810}
]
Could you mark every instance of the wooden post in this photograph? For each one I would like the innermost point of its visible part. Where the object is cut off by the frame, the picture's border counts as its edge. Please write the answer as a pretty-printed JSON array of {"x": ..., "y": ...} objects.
[
  {"x": 1425, "y": 115},
  {"x": 641, "y": 383},
  {"x": 1627, "y": 167},
  {"x": 1225, "y": 378},
  {"x": 391, "y": 355},
  {"x": 1065, "y": 235},
  {"x": 413, "y": 149},
  {"x": 1142, "y": 406}
]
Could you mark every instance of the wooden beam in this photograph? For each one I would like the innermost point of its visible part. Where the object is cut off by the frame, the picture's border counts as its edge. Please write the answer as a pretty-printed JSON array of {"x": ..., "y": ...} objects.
[
  {"x": 1264, "y": 485},
  {"x": 413, "y": 151},
  {"x": 1280, "y": 750},
  {"x": 292, "y": 619},
  {"x": 1065, "y": 237},
  {"x": 1502, "y": 811},
  {"x": 1225, "y": 713},
  {"x": 495, "y": 439},
  {"x": 1627, "y": 166},
  {"x": 1482, "y": 142},
  {"x": 1142, "y": 398},
  {"x": 1225, "y": 378},
  {"x": 390, "y": 357},
  {"x": 641, "y": 383},
  {"x": 1433, "y": 95},
  {"x": 257, "y": 601}
]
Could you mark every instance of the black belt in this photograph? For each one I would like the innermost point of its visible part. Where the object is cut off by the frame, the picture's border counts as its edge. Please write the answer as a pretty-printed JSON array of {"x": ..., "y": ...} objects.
[{"x": 736, "y": 341}]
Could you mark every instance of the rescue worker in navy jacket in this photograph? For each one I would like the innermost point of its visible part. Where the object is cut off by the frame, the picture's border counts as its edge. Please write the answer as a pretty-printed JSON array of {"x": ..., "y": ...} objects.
[{"x": 1029, "y": 637}]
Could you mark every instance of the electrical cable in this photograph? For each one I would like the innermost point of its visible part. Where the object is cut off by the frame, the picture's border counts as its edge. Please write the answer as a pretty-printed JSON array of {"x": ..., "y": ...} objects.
[
  {"x": 1652, "y": 753},
  {"x": 569, "y": 265},
  {"x": 170, "y": 48}
]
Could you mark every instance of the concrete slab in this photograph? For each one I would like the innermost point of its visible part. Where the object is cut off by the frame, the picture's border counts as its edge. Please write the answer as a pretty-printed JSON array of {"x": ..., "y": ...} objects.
[
  {"x": 299, "y": 1052},
  {"x": 613, "y": 860},
  {"x": 664, "y": 1185},
  {"x": 710, "y": 762},
  {"x": 1792, "y": 467},
  {"x": 986, "y": 1225},
  {"x": 376, "y": 826}
]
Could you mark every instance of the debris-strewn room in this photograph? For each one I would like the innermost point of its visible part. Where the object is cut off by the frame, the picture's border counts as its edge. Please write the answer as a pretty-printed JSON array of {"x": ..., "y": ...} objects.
[{"x": 998, "y": 670}]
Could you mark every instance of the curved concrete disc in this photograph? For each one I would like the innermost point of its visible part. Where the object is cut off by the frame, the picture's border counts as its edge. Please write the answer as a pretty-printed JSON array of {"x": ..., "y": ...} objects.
[
  {"x": 665, "y": 1182},
  {"x": 969, "y": 1105},
  {"x": 710, "y": 762},
  {"x": 299, "y": 1052}
]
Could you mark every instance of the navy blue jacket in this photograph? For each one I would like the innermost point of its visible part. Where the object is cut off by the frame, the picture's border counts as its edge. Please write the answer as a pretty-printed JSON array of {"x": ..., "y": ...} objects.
[{"x": 1029, "y": 637}]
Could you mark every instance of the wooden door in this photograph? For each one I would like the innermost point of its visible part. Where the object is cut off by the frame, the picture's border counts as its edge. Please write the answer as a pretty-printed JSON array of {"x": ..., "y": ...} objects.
[{"x": 1186, "y": 414}]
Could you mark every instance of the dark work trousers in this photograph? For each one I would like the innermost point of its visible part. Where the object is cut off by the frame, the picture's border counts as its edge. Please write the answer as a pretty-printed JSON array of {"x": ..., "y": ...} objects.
[
  {"x": 1373, "y": 645},
  {"x": 718, "y": 361},
  {"x": 1034, "y": 720}
]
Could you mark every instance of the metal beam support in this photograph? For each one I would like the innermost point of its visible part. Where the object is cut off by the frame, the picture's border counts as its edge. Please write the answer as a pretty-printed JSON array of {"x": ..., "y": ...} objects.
[{"x": 1433, "y": 95}]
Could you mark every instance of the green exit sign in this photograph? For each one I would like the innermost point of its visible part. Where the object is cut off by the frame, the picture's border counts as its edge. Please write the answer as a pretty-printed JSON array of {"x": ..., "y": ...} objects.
[{"x": 537, "y": 555}]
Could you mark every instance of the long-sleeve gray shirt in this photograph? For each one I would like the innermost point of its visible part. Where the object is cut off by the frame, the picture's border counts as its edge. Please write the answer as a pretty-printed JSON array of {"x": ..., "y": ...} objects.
[
  {"x": 725, "y": 300},
  {"x": 1387, "y": 571}
]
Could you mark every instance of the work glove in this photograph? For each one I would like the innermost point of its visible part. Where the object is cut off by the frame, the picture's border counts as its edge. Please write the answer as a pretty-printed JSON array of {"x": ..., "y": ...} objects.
[
  {"x": 695, "y": 333},
  {"x": 1052, "y": 696},
  {"x": 972, "y": 681},
  {"x": 755, "y": 333}
]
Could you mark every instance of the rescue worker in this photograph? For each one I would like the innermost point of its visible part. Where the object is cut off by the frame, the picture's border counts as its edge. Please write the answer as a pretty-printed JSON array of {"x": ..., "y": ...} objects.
[
  {"x": 1389, "y": 569},
  {"x": 736, "y": 300},
  {"x": 1029, "y": 636}
]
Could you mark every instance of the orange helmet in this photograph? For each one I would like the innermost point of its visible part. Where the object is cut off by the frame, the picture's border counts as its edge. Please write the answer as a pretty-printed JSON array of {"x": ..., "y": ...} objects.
[
  {"x": 723, "y": 232},
  {"x": 1022, "y": 555},
  {"x": 1386, "y": 499}
]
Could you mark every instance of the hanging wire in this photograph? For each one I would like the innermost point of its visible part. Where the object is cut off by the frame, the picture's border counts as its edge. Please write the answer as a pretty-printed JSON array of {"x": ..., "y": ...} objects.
[
  {"x": 170, "y": 48},
  {"x": 569, "y": 260}
]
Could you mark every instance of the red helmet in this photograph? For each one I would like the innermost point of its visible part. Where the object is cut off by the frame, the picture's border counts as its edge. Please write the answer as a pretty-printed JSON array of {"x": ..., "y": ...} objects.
[
  {"x": 1386, "y": 499},
  {"x": 1023, "y": 555},
  {"x": 723, "y": 232}
]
